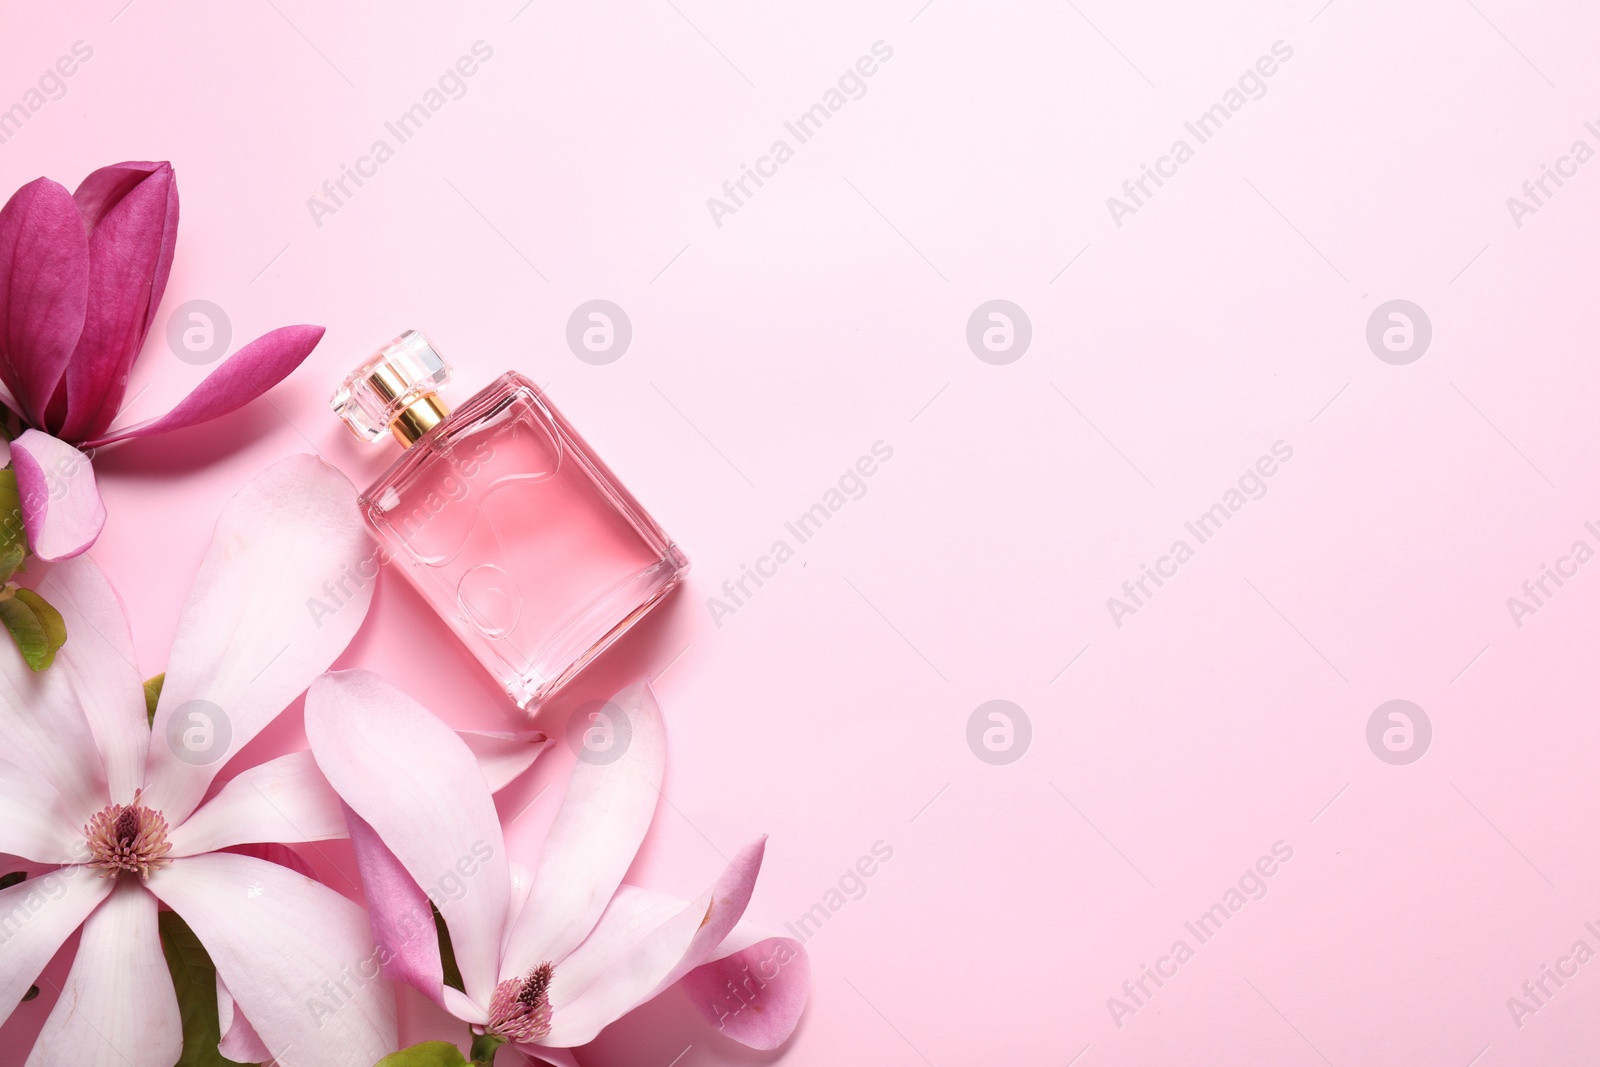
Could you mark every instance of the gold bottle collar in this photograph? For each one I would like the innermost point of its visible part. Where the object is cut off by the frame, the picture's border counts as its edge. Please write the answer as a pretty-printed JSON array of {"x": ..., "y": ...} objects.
[{"x": 417, "y": 418}]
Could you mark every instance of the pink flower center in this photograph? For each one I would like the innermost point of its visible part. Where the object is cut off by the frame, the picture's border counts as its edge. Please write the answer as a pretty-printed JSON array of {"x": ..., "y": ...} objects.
[
  {"x": 127, "y": 837},
  {"x": 520, "y": 1008}
]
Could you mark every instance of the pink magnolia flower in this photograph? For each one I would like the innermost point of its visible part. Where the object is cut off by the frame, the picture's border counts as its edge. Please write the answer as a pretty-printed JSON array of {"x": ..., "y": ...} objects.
[
  {"x": 118, "y": 809},
  {"x": 81, "y": 276},
  {"x": 548, "y": 958}
]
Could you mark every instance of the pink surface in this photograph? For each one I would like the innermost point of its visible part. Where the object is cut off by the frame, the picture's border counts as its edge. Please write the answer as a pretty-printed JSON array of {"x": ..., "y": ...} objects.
[{"x": 1174, "y": 342}]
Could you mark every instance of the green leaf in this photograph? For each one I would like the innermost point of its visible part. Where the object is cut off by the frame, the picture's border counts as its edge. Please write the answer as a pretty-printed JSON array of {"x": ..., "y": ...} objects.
[
  {"x": 55, "y": 627},
  {"x": 9, "y": 880},
  {"x": 13, "y": 535},
  {"x": 152, "y": 695},
  {"x": 10, "y": 501},
  {"x": 194, "y": 977},
  {"x": 427, "y": 1054},
  {"x": 12, "y": 557},
  {"x": 35, "y": 626}
]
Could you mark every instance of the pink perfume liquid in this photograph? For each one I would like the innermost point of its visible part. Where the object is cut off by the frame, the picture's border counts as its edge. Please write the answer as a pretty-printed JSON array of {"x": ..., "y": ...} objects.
[{"x": 521, "y": 538}]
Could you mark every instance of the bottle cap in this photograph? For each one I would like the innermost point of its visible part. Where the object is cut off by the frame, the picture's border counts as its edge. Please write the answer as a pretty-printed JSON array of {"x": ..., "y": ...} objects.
[{"x": 395, "y": 391}]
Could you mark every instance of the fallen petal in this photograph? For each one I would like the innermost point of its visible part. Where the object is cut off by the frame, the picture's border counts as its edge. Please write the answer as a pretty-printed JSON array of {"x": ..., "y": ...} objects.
[
  {"x": 258, "y": 624},
  {"x": 132, "y": 211},
  {"x": 44, "y": 292},
  {"x": 61, "y": 506},
  {"x": 242, "y": 377},
  {"x": 297, "y": 957},
  {"x": 118, "y": 1007}
]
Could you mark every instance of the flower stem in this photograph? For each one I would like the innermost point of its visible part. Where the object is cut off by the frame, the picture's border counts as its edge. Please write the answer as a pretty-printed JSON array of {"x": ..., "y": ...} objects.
[{"x": 484, "y": 1046}]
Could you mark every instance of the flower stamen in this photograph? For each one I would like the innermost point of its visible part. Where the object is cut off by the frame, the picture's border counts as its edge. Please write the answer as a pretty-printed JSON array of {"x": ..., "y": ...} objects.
[
  {"x": 520, "y": 1008},
  {"x": 127, "y": 837}
]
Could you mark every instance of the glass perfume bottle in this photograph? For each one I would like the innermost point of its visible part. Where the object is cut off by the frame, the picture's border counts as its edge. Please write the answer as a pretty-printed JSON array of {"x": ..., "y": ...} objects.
[{"x": 504, "y": 519}]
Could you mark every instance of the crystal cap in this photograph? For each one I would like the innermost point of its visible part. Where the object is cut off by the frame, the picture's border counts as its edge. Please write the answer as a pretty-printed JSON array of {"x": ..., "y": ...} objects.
[{"x": 398, "y": 376}]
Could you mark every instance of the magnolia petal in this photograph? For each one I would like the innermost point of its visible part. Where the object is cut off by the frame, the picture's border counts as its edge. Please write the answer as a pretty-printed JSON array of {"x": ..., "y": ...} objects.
[
  {"x": 38, "y": 915},
  {"x": 104, "y": 189},
  {"x": 37, "y": 824},
  {"x": 282, "y": 855},
  {"x": 402, "y": 921},
  {"x": 464, "y": 1007},
  {"x": 288, "y": 799},
  {"x": 240, "y": 378},
  {"x": 118, "y": 1007},
  {"x": 11, "y": 864},
  {"x": 61, "y": 506},
  {"x": 636, "y": 951},
  {"x": 44, "y": 292},
  {"x": 42, "y": 725},
  {"x": 100, "y": 667},
  {"x": 257, "y": 627},
  {"x": 132, "y": 212},
  {"x": 770, "y": 980},
  {"x": 503, "y": 756},
  {"x": 418, "y": 786},
  {"x": 296, "y": 956},
  {"x": 285, "y": 799},
  {"x": 597, "y": 832},
  {"x": 240, "y": 1042},
  {"x": 725, "y": 907}
]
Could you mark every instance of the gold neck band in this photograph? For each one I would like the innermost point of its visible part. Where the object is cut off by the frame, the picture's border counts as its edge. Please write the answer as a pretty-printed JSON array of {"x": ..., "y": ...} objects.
[{"x": 417, "y": 418}]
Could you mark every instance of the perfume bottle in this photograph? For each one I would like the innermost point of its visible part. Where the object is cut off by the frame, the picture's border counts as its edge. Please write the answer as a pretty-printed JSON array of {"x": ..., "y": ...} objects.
[{"x": 504, "y": 519}]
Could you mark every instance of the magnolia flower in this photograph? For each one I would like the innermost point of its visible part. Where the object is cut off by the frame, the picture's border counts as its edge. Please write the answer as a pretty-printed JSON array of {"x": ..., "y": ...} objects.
[
  {"x": 546, "y": 961},
  {"x": 81, "y": 276},
  {"x": 117, "y": 807}
]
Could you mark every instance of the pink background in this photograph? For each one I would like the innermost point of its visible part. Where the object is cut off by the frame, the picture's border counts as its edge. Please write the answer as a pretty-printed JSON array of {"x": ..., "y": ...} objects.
[{"x": 828, "y": 313}]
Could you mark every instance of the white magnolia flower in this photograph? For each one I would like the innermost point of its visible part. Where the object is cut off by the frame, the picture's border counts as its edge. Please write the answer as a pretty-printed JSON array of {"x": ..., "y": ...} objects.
[
  {"x": 116, "y": 809},
  {"x": 551, "y": 946}
]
